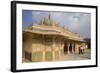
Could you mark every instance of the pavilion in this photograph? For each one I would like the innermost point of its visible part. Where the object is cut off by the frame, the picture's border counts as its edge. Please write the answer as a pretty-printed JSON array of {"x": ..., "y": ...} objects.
[{"x": 48, "y": 41}]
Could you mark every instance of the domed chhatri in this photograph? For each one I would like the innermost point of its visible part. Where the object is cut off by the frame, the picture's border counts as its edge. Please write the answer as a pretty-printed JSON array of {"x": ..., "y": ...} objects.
[{"x": 48, "y": 21}]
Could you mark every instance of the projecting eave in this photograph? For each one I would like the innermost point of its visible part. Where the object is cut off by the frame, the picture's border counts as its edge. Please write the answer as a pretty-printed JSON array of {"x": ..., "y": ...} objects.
[{"x": 55, "y": 34}]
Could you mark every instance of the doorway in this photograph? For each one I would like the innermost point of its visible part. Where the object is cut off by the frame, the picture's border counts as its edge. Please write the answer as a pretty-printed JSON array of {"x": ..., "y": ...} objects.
[
  {"x": 70, "y": 48},
  {"x": 65, "y": 48}
]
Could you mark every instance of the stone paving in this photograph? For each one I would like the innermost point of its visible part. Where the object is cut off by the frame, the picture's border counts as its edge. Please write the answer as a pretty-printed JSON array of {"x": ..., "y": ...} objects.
[{"x": 86, "y": 55}]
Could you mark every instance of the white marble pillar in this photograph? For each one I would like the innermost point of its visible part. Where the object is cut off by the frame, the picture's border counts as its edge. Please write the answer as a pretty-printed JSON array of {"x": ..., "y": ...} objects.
[
  {"x": 43, "y": 57},
  {"x": 75, "y": 48},
  {"x": 44, "y": 48},
  {"x": 53, "y": 47},
  {"x": 72, "y": 47},
  {"x": 68, "y": 45}
]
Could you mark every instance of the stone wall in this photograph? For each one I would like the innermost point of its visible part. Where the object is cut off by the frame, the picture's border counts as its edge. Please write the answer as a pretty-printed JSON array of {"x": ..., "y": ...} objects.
[{"x": 43, "y": 48}]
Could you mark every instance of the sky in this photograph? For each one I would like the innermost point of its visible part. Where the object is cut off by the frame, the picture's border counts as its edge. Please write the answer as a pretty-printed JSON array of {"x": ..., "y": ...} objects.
[{"x": 74, "y": 21}]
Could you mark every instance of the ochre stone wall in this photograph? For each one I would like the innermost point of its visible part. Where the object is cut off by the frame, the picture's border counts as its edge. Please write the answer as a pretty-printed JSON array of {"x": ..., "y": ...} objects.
[
  {"x": 48, "y": 51},
  {"x": 27, "y": 46},
  {"x": 41, "y": 48}
]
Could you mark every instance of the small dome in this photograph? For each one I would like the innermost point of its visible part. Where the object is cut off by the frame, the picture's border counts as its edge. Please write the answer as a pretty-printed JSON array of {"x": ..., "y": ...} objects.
[{"x": 47, "y": 21}]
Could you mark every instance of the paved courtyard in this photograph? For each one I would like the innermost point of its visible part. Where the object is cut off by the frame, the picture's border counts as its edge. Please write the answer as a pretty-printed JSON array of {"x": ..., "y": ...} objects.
[{"x": 86, "y": 55}]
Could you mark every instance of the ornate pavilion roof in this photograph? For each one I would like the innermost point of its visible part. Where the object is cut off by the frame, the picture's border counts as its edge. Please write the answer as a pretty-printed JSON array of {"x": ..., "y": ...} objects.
[{"x": 49, "y": 27}]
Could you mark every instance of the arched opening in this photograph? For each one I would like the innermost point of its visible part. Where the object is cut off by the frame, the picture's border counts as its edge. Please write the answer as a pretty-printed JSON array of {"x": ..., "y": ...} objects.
[
  {"x": 70, "y": 48},
  {"x": 65, "y": 48}
]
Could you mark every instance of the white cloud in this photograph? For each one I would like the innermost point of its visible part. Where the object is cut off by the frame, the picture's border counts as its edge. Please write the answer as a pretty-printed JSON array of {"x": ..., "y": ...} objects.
[{"x": 81, "y": 25}]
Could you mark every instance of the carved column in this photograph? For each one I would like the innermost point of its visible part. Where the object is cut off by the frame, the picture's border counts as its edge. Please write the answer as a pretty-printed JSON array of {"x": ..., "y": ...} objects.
[
  {"x": 75, "y": 48},
  {"x": 68, "y": 45},
  {"x": 72, "y": 47},
  {"x": 53, "y": 46},
  {"x": 44, "y": 49}
]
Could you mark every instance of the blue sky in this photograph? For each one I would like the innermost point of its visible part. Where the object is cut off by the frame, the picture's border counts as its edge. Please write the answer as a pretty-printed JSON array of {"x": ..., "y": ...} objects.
[{"x": 76, "y": 22}]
